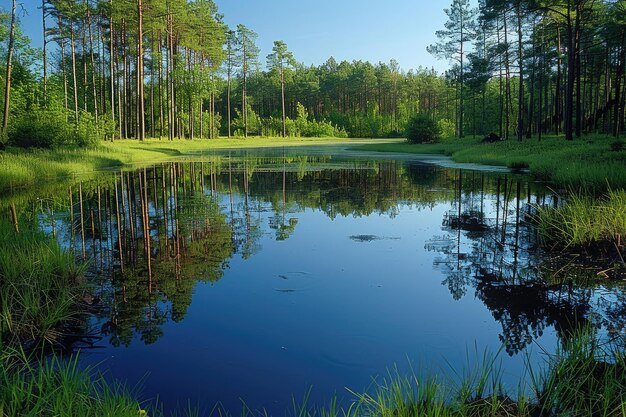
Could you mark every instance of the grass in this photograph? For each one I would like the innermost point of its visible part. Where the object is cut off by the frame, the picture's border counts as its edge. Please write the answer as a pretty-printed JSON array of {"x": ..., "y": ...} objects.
[
  {"x": 38, "y": 286},
  {"x": 60, "y": 388},
  {"x": 21, "y": 168},
  {"x": 585, "y": 220},
  {"x": 589, "y": 163}
]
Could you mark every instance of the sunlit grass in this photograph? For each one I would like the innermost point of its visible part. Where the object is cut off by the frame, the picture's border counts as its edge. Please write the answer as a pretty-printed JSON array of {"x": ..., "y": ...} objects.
[
  {"x": 589, "y": 163},
  {"x": 585, "y": 220}
]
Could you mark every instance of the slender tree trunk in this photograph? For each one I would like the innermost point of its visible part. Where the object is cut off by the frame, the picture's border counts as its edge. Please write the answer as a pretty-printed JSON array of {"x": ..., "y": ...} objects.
[
  {"x": 282, "y": 85},
  {"x": 577, "y": 40},
  {"x": 245, "y": 92},
  {"x": 229, "y": 73},
  {"x": 558, "y": 111},
  {"x": 111, "y": 66},
  {"x": 520, "y": 58},
  {"x": 45, "y": 51},
  {"x": 618, "y": 87},
  {"x": 152, "y": 77},
  {"x": 93, "y": 66},
  {"x": 571, "y": 74},
  {"x": 75, "y": 81},
  {"x": 7, "y": 85},
  {"x": 141, "y": 105},
  {"x": 507, "y": 73}
]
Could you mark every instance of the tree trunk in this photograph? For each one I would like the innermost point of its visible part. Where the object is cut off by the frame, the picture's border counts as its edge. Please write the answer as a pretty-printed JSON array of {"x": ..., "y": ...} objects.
[
  {"x": 520, "y": 58},
  {"x": 282, "y": 84},
  {"x": 111, "y": 66},
  {"x": 75, "y": 81},
  {"x": 45, "y": 51},
  {"x": 7, "y": 87},
  {"x": 141, "y": 105}
]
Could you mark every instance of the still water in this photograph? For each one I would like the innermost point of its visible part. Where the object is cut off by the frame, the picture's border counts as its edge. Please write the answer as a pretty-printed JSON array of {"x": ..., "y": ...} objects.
[{"x": 257, "y": 276}]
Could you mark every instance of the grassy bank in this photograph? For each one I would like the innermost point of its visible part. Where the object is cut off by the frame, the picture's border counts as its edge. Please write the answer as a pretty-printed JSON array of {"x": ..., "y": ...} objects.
[
  {"x": 39, "y": 287},
  {"x": 40, "y": 290},
  {"x": 589, "y": 163},
  {"x": 20, "y": 168},
  {"x": 585, "y": 221}
]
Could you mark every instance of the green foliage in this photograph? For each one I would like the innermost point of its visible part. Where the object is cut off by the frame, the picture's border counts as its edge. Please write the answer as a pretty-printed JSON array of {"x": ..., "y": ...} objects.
[
  {"x": 253, "y": 121},
  {"x": 49, "y": 128},
  {"x": 422, "y": 129},
  {"x": 447, "y": 128}
]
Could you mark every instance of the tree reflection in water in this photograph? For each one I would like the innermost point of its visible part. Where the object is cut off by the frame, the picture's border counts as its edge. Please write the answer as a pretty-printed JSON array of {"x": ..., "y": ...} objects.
[{"x": 153, "y": 233}]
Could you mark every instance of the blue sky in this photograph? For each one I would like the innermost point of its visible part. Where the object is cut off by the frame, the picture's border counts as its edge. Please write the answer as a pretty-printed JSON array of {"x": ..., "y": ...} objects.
[{"x": 315, "y": 30}]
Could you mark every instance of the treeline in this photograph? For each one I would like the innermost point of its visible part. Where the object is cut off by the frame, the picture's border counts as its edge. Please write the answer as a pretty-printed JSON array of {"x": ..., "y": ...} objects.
[
  {"x": 174, "y": 69},
  {"x": 524, "y": 68},
  {"x": 189, "y": 75}
]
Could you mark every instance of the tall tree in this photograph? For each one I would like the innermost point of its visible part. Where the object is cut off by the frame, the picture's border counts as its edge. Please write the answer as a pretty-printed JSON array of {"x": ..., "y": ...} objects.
[
  {"x": 279, "y": 60},
  {"x": 249, "y": 55},
  {"x": 459, "y": 30}
]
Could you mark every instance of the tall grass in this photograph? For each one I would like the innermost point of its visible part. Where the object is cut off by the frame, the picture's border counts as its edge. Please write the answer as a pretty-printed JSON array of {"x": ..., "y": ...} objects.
[
  {"x": 585, "y": 220},
  {"x": 39, "y": 286},
  {"x": 38, "y": 282},
  {"x": 59, "y": 388}
]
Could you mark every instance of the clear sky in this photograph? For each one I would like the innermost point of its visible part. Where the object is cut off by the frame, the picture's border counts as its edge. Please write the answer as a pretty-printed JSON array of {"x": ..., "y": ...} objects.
[{"x": 314, "y": 30}]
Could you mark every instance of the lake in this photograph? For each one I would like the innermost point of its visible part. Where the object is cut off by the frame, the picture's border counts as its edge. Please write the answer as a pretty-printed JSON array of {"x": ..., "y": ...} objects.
[{"x": 258, "y": 275}]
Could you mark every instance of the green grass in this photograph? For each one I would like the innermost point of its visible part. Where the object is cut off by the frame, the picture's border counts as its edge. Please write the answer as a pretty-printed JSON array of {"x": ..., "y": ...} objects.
[
  {"x": 588, "y": 163},
  {"x": 38, "y": 286},
  {"x": 59, "y": 388},
  {"x": 585, "y": 220},
  {"x": 21, "y": 168}
]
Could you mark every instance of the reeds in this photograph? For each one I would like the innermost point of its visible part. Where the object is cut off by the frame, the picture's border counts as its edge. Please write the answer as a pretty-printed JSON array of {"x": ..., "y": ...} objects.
[
  {"x": 38, "y": 282},
  {"x": 585, "y": 220},
  {"x": 60, "y": 388}
]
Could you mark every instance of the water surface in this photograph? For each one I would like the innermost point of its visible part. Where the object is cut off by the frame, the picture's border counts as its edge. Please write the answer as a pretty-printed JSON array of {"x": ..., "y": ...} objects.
[{"x": 256, "y": 275}]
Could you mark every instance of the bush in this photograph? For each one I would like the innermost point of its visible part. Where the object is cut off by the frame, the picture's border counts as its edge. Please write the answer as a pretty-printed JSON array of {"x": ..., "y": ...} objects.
[
  {"x": 422, "y": 129},
  {"x": 50, "y": 128},
  {"x": 39, "y": 129}
]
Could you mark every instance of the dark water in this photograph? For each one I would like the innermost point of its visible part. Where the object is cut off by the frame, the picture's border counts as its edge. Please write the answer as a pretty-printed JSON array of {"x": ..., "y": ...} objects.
[{"x": 257, "y": 276}]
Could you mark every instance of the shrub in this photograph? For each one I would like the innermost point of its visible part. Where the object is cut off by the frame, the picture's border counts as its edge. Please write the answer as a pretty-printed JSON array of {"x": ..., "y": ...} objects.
[
  {"x": 50, "y": 128},
  {"x": 422, "y": 129},
  {"x": 39, "y": 129}
]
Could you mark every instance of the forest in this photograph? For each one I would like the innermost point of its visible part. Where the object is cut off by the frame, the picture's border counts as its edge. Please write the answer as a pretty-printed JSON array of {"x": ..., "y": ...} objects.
[{"x": 173, "y": 69}]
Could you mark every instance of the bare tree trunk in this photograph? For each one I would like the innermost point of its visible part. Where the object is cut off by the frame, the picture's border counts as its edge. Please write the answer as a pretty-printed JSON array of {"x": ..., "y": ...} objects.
[
  {"x": 45, "y": 51},
  {"x": 75, "y": 81},
  {"x": 141, "y": 105},
  {"x": 93, "y": 66},
  {"x": 7, "y": 88},
  {"x": 520, "y": 58},
  {"x": 282, "y": 84},
  {"x": 112, "y": 67}
]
